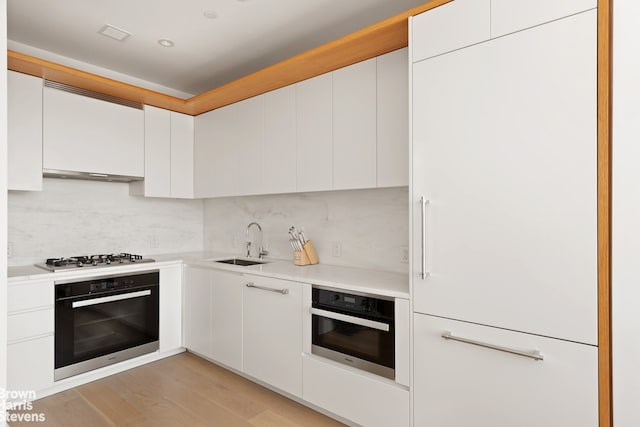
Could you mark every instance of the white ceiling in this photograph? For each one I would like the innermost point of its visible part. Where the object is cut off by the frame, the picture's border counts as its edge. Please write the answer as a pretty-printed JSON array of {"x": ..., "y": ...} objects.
[{"x": 246, "y": 35}]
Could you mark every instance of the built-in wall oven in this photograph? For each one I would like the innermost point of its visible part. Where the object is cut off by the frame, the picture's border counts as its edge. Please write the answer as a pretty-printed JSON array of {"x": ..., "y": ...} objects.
[
  {"x": 103, "y": 320},
  {"x": 354, "y": 329}
]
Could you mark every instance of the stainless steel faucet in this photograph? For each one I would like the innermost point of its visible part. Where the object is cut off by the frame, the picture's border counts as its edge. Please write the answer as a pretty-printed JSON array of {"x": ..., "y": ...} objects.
[{"x": 261, "y": 251}]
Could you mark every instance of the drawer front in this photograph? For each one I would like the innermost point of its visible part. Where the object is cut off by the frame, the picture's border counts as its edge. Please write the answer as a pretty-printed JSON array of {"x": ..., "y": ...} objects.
[
  {"x": 355, "y": 396},
  {"x": 508, "y": 16},
  {"x": 30, "y": 364},
  {"x": 30, "y": 324},
  {"x": 459, "y": 384},
  {"x": 30, "y": 295}
]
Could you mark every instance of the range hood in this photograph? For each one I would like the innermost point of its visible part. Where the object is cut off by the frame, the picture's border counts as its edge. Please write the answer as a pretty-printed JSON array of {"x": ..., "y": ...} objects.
[{"x": 91, "y": 176}]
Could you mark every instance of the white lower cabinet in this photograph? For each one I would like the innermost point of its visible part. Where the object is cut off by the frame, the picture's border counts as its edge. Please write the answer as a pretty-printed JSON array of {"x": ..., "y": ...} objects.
[
  {"x": 197, "y": 310},
  {"x": 213, "y": 315},
  {"x": 170, "y": 308},
  {"x": 30, "y": 326},
  {"x": 30, "y": 364},
  {"x": 355, "y": 396},
  {"x": 462, "y": 384},
  {"x": 226, "y": 319},
  {"x": 272, "y": 332}
]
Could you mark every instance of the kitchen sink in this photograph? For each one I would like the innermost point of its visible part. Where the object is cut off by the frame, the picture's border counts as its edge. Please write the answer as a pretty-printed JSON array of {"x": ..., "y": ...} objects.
[{"x": 239, "y": 261}]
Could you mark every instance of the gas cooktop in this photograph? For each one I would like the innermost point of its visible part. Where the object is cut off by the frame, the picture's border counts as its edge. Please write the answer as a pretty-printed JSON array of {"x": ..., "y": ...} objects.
[{"x": 88, "y": 261}]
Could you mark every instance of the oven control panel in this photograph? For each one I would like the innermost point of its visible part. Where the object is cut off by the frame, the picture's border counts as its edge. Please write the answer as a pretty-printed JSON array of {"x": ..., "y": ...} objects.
[{"x": 352, "y": 303}]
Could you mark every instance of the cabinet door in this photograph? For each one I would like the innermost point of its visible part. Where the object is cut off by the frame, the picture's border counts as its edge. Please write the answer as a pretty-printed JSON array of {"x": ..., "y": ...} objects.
[
  {"x": 247, "y": 121},
  {"x": 279, "y": 153},
  {"x": 170, "y": 308},
  {"x": 504, "y": 149},
  {"x": 460, "y": 384},
  {"x": 449, "y": 27},
  {"x": 181, "y": 155},
  {"x": 226, "y": 319},
  {"x": 24, "y": 115},
  {"x": 508, "y": 16},
  {"x": 314, "y": 134},
  {"x": 215, "y": 169},
  {"x": 157, "y": 153},
  {"x": 272, "y": 334},
  {"x": 84, "y": 134},
  {"x": 393, "y": 119},
  {"x": 354, "y": 126},
  {"x": 197, "y": 310}
]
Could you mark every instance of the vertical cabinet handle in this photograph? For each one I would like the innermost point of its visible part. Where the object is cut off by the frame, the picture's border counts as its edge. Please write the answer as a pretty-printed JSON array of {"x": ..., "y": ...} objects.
[{"x": 423, "y": 209}]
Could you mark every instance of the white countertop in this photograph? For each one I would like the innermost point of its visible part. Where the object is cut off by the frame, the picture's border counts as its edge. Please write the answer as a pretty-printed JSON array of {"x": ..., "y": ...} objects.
[{"x": 346, "y": 278}]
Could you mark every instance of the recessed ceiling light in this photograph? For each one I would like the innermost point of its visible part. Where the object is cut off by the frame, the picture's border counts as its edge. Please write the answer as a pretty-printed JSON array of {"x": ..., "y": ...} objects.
[
  {"x": 210, "y": 14},
  {"x": 166, "y": 43},
  {"x": 114, "y": 32}
]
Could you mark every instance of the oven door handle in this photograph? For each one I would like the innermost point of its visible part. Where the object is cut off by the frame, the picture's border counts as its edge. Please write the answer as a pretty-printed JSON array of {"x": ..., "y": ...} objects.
[
  {"x": 102, "y": 300},
  {"x": 351, "y": 319}
]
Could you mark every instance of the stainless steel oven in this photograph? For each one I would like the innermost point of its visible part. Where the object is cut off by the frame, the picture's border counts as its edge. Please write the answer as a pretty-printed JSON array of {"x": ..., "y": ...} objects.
[
  {"x": 355, "y": 329},
  {"x": 103, "y": 320}
]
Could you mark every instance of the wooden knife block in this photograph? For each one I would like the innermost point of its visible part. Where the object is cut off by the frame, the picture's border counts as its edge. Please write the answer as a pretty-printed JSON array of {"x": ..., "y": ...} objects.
[{"x": 307, "y": 256}]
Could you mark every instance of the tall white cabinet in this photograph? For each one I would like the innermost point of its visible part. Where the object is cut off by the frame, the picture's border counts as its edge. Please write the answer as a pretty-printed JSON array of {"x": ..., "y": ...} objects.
[
  {"x": 504, "y": 243},
  {"x": 24, "y": 123}
]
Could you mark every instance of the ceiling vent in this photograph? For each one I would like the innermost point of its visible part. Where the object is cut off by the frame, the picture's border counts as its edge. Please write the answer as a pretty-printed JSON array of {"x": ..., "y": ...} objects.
[{"x": 114, "y": 32}]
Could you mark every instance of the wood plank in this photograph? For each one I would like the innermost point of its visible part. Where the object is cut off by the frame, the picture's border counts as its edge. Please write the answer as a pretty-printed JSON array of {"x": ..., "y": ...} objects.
[
  {"x": 377, "y": 39},
  {"x": 604, "y": 214}
]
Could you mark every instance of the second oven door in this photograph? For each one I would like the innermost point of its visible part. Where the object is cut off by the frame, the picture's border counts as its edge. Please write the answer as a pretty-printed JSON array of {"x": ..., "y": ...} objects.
[
  {"x": 370, "y": 341},
  {"x": 92, "y": 327}
]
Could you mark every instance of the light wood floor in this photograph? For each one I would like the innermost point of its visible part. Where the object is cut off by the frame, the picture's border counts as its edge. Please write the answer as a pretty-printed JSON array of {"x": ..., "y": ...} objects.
[{"x": 182, "y": 390}]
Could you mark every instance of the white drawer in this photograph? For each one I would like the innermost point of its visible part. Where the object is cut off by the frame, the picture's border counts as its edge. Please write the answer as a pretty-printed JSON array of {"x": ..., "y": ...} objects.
[
  {"x": 30, "y": 295},
  {"x": 29, "y": 324},
  {"x": 358, "y": 397},
  {"x": 462, "y": 384},
  {"x": 508, "y": 16},
  {"x": 30, "y": 364}
]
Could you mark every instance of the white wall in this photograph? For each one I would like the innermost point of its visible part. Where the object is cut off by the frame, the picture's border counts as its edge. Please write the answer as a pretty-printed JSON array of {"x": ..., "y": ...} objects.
[
  {"x": 3, "y": 193},
  {"x": 372, "y": 226},
  {"x": 626, "y": 213},
  {"x": 72, "y": 217}
]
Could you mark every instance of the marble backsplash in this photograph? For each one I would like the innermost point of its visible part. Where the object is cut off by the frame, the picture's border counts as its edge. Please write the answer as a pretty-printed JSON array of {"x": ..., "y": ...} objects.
[
  {"x": 72, "y": 217},
  {"x": 370, "y": 226}
]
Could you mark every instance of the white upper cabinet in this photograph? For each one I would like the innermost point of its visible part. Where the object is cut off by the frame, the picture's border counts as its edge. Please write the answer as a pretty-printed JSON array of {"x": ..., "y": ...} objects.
[
  {"x": 228, "y": 150},
  {"x": 314, "y": 133},
  {"x": 393, "y": 119},
  {"x": 504, "y": 149},
  {"x": 354, "y": 126},
  {"x": 215, "y": 169},
  {"x": 84, "y": 134},
  {"x": 508, "y": 16},
  {"x": 449, "y": 27},
  {"x": 279, "y": 153},
  {"x": 182, "y": 140},
  {"x": 157, "y": 153},
  {"x": 24, "y": 98},
  {"x": 247, "y": 139},
  {"x": 168, "y": 160}
]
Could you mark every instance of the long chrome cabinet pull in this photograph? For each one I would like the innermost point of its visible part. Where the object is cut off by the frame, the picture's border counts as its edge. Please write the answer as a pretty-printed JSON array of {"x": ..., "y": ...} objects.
[
  {"x": 278, "y": 291},
  {"x": 423, "y": 206},
  {"x": 102, "y": 300},
  {"x": 351, "y": 319},
  {"x": 533, "y": 355}
]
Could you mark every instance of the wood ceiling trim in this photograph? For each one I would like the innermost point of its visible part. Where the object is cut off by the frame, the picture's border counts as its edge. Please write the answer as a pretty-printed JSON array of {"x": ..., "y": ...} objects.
[{"x": 374, "y": 40}]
